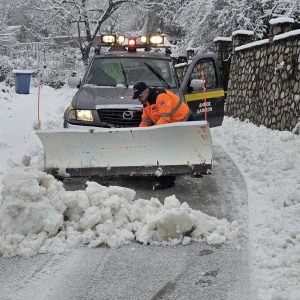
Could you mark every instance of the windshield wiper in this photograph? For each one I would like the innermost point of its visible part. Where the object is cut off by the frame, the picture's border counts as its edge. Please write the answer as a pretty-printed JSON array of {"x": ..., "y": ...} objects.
[
  {"x": 101, "y": 85},
  {"x": 158, "y": 75},
  {"x": 124, "y": 74}
]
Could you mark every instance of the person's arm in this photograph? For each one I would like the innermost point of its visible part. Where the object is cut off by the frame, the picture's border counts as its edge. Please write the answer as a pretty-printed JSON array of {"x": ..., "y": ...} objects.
[
  {"x": 164, "y": 104},
  {"x": 146, "y": 120}
]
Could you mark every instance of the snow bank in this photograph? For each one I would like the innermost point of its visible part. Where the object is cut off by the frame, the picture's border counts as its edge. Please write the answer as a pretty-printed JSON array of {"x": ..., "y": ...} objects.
[
  {"x": 18, "y": 118},
  {"x": 270, "y": 163},
  {"x": 37, "y": 216}
]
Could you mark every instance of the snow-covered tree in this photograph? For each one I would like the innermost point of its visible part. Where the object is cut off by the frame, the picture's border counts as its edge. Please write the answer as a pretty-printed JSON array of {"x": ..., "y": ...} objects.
[
  {"x": 5, "y": 11},
  {"x": 195, "y": 22},
  {"x": 201, "y": 20},
  {"x": 79, "y": 19},
  {"x": 129, "y": 20}
]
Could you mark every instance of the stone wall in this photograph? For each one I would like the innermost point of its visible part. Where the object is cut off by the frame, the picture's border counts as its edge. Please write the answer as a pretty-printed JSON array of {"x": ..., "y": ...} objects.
[{"x": 264, "y": 81}]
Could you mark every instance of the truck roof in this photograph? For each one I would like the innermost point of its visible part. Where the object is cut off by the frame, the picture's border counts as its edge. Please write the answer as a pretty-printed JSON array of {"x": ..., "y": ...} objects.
[{"x": 147, "y": 54}]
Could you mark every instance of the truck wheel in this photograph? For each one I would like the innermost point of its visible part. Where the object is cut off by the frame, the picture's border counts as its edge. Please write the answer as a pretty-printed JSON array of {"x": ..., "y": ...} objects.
[{"x": 164, "y": 182}]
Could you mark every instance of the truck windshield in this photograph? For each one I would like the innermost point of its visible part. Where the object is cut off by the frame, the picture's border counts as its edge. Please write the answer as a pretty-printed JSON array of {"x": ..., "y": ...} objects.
[{"x": 112, "y": 71}]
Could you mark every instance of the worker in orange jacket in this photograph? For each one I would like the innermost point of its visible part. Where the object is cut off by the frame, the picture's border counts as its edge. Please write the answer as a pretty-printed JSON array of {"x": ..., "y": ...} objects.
[{"x": 160, "y": 106}]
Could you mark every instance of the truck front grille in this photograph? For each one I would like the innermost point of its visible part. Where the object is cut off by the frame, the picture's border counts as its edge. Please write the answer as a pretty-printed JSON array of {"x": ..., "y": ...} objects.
[{"x": 120, "y": 117}]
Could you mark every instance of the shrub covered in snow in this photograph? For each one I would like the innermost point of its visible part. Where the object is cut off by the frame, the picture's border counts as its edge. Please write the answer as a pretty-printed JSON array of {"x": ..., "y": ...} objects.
[{"x": 5, "y": 67}]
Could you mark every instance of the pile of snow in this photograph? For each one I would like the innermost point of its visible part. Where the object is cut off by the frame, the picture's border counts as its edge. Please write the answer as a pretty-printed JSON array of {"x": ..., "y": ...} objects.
[
  {"x": 270, "y": 163},
  {"x": 37, "y": 215}
]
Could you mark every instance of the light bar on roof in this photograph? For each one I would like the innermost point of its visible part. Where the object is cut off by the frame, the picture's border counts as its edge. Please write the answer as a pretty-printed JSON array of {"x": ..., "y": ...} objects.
[
  {"x": 108, "y": 39},
  {"x": 156, "y": 39},
  {"x": 144, "y": 39},
  {"x": 131, "y": 45},
  {"x": 131, "y": 42},
  {"x": 121, "y": 39}
]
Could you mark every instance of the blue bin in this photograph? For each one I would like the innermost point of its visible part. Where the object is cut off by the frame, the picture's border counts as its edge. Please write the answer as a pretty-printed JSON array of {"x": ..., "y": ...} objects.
[{"x": 22, "y": 82}]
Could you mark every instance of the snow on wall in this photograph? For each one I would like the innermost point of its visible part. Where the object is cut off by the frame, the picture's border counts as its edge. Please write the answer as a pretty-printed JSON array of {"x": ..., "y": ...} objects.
[
  {"x": 251, "y": 45},
  {"x": 281, "y": 20},
  {"x": 222, "y": 39},
  {"x": 242, "y": 32},
  {"x": 286, "y": 35}
]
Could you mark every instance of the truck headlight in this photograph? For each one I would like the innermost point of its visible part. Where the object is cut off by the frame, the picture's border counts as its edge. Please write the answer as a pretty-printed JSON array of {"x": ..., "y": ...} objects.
[{"x": 85, "y": 115}]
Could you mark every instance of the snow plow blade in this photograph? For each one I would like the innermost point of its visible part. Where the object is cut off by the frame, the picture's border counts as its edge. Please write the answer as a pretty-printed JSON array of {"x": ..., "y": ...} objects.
[{"x": 170, "y": 149}]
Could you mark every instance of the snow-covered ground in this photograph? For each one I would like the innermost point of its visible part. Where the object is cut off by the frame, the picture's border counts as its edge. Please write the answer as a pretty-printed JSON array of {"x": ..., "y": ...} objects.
[
  {"x": 38, "y": 215},
  {"x": 270, "y": 163}
]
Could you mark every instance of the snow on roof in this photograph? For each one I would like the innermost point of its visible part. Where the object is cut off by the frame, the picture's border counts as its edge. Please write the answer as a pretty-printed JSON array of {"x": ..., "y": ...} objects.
[
  {"x": 222, "y": 39},
  {"x": 11, "y": 29},
  {"x": 281, "y": 20},
  {"x": 286, "y": 35},
  {"x": 242, "y": 32},
  {"x": 251, "y": 45},
  {"x": 5, "y": 37},
  {"x": 14, "y": 27}
]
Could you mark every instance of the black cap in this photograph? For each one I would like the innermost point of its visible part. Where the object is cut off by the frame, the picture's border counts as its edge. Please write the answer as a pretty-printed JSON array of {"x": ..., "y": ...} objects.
[{"x": 138, "y": 88}]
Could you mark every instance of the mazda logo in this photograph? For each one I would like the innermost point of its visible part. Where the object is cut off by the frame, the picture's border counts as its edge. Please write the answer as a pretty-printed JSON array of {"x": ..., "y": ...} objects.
[{"x": 128, "y": 115}]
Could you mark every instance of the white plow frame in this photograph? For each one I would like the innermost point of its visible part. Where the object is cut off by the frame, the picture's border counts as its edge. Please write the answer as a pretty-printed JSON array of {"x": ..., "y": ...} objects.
[{"x": 176, "y": 148}]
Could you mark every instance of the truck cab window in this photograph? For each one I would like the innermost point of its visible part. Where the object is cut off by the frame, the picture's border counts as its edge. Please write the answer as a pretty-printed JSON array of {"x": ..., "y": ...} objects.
[{"x": 209, "y": 71}]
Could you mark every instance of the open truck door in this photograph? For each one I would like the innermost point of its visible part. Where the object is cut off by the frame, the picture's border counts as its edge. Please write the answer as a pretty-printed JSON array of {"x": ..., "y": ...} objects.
[{"x": 203, "y": 80}]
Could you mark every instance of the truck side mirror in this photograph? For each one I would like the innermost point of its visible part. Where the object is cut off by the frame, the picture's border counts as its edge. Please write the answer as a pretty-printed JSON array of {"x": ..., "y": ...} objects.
[
  {"x": 197, "y": 84},
  {"x": 74, "y": 82}
]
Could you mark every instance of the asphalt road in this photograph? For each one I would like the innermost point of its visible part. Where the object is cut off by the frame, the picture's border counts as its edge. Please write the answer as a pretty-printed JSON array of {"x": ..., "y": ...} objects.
[{"x": 196, "y": 271}]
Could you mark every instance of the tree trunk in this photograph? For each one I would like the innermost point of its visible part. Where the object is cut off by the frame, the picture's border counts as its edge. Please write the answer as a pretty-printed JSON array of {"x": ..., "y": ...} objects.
[{"x": 85, "y": 52}]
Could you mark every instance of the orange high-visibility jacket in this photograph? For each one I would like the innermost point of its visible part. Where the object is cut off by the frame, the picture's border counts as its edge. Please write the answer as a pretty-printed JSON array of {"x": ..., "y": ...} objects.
[{"x": 167, "y": 108}]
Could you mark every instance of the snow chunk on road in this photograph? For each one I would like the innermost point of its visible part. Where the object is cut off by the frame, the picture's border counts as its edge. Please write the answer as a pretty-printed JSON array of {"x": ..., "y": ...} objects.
[{"x": 37, "y": 215}]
